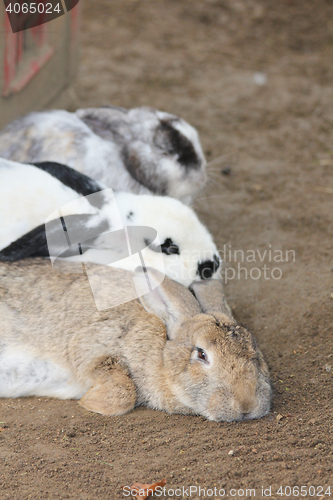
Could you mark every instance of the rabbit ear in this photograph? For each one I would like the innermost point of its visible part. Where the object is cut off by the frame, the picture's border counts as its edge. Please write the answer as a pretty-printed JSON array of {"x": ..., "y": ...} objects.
[
  {"x": 140, "y": 162},
  {"x": 209, "y": 294},
  {"x": 169, "y": 139},
  {"x": 169, "y": 300},
  {"x": 106, "y": 122}
]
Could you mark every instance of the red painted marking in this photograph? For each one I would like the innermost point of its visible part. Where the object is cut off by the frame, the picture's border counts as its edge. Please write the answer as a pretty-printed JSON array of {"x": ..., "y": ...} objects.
[
  {"x": 9, "y": 56},
  {"x": 75, "y": 17},
  {"x": 33, "y": 69},
  {"x": 21, "y": 65}
]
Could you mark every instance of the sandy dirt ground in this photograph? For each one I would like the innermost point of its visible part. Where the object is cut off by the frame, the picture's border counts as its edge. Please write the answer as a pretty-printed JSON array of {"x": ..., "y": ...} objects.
[{"x": 255, "y": 78}]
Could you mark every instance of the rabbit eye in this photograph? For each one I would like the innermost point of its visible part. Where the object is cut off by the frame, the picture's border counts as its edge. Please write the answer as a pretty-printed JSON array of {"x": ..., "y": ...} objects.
[
  {"x": 202, "y": 355},
  {"x": 169, "y": 247}
]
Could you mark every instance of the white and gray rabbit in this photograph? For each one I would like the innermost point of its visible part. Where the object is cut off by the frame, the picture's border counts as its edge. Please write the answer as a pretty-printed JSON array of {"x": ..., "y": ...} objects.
[
  {"x": 141, "y": 150},
  {"x": 99, "y": 223},
  {"x": 167, "y": 350}
]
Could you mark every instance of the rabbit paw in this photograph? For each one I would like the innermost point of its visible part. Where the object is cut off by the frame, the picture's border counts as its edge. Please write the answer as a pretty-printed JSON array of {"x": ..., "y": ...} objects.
[{"x": 115, "y": 396}]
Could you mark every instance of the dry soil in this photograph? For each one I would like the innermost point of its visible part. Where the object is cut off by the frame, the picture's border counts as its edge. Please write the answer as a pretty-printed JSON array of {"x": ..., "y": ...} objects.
[{"x": 255, "y": 77}]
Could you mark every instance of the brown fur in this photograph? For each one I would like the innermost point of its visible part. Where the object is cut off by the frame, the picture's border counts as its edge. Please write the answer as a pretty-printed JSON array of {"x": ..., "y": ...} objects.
[{"x": 126, "y": 355}]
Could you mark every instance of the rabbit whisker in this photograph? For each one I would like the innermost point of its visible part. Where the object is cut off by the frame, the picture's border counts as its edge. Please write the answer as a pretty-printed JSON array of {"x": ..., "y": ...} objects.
[
  {"x": 206, "y": 198},
  {"x": 214, "y": 175},
  {"x": 220, "y": 158}
]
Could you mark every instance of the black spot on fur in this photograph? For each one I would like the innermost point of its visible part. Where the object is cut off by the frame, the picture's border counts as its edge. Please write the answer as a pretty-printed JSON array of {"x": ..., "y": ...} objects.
[
  {"x": 207, "y": 268},
  {"x": 169, "y": 247},
  {"x": 129, "y": 215},
  {"x": 177, "y": 144},
  {"x": 73, "y": 179},
  {"x": 144, "y": 173},
  {"x": 34, "y": 243}
]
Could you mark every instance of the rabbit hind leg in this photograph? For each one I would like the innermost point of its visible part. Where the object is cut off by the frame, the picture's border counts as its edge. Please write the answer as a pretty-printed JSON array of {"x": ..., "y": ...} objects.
[{"x": 113, "y": 395}]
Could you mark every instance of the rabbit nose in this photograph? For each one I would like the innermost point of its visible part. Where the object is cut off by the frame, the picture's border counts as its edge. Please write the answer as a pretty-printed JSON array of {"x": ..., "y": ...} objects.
[
  {"x": 245, "y": 408},
  {"x": 246, "y": 416}
]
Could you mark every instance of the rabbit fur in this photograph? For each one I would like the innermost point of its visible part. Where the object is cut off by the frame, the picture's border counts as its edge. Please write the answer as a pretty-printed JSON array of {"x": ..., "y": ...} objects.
[
  {"x": 31, "y": 195},
  {"x": 168, "y": 350},
  {"x": 141, "y": 150}
]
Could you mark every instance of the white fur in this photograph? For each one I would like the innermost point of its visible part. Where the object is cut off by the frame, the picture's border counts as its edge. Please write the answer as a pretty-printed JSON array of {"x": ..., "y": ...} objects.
[
  {"x": 24, "y": 374},
  {"x": 98, "y": 153},
  {"x": 64, "y": 137},
  {"x": 172, "y": 219},
  {"x": 29, "y": 195}
]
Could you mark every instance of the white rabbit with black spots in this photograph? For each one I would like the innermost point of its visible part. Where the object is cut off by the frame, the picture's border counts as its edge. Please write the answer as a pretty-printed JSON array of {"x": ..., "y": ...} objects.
[
  {"x": 95, "y": 217},
  {"x": 141, "y": 150}
]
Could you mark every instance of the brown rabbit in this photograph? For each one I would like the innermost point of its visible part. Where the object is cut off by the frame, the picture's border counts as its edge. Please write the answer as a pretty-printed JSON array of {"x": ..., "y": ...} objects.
[{"x": 168, "y": 350}]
